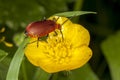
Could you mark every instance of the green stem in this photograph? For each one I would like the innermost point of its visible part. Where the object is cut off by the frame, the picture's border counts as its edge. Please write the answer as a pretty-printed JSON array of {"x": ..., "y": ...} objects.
[
  {"x": 37, "y": 74},
  {"x": 77, "y": 7},
  {"x": 24, "y": 71},
  {"x": 54, "y": 76},
  {"x": 101, "y": 68}
]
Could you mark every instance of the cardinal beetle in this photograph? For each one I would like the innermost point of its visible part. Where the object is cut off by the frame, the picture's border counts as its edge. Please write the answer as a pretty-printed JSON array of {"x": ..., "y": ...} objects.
[{"x": 42, "y": 28}]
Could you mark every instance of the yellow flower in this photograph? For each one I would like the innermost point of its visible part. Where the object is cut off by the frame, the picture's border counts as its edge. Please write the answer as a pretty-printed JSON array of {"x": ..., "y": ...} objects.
[{"x": 61, "y": 51}]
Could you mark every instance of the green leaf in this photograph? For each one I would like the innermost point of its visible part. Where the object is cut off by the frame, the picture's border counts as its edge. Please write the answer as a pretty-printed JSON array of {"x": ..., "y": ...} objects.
[
  {"x": 74, "y": 13},
  {"x": 3, "y": 54},
  {"x": 111, "y": 50},
  {"x": 18, "y": 38},
  {"x": 4, "y": 64},
  {"x": 16, "y": 61},
  {"x": 83, "y": 73}
]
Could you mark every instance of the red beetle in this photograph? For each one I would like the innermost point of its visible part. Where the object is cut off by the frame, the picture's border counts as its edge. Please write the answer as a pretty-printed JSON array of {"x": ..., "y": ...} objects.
[{"x": 42, "y": 28}]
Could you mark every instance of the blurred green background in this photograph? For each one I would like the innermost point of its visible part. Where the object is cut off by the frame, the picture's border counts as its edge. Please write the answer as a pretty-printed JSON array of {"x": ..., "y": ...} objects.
[{"x": 104, "y": 28}]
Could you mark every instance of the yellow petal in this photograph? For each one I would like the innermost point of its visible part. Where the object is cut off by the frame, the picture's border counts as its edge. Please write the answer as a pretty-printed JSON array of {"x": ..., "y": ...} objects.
[
  {"x": 77, "y": 34},
  {"x": 80, "y": 56},
  {"x": 34, "y": 53}
]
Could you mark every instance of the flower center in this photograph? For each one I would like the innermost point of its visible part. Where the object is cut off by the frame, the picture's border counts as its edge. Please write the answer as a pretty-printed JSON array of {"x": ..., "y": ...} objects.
[
  {"x": 59, "y": 50},
  {"x": 60, "y": 53}
]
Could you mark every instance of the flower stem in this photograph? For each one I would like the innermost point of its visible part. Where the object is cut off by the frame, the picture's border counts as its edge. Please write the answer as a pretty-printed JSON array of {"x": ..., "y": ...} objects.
[
  {"x": 77, "y": 7},
  {"x": 24, "y": 71},
  {"x": 101, "y": 68},
  {"x": 54, "y": 76}
]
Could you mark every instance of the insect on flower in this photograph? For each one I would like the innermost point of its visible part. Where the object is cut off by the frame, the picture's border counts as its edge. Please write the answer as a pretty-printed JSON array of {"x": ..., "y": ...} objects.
[
  {"x": 42, "y": 28},
  {"x": 59, "y": 54}
]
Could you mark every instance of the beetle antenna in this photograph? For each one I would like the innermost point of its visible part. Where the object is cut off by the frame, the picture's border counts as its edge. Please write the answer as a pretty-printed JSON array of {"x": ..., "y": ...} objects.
[
  {"x": 66, "y": 21},
  {"x": 62, "y": 34},
  {"x": 43, "y": 18},
  {"x": 54, "y": 19},
  {"x": 57, "y": 18},
  {"x": 63, "y": 24}
]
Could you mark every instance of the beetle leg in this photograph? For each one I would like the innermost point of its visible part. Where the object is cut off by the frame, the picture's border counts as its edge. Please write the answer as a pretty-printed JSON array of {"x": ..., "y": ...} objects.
[
  {"x": 38, "y": 39},
  {"x": 47, "y": 37},
  {"x": 55, "y": 33},
  {"x": 32, "y": 42},
  {"x": 62, "y": 34}
]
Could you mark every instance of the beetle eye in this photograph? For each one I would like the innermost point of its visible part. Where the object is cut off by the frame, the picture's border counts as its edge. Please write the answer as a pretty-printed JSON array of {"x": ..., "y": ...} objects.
[{"x": 25, "y": 32}]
